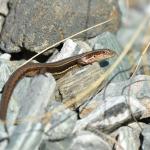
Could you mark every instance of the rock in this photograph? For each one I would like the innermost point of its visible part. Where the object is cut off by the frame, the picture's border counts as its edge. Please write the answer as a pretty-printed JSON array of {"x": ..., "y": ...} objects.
[
  {"x": 56, "y": 145},
  {"x": 127, "y": 138},
  {"x": 32, "y": 98},
  {"x": 111, "y": 114},
  {"x": 4, "y": 7},
  {"x": 138, "y": 87},
  {"x": 1, "y": 22},
  {"x": 83, "y": 140},
  {"x": 40, "y": 92},
  {"x": 60, "y": 126},
  {"x": 69, "y": 46},
  {"x": 138, "y": 3},
  {"x": 3, "y": 12},
  {"x": 3, "y": 137},
  {"x": 29, "y": 133},
  {"x": 89, "y": 141},
  {"x": 146, "y": 137},
  {"x": 35, "y": 28},
  {"x": 61, "y": 122},
  {"x": 69, "y": 85},
  {"x": 109, "y": 40}
]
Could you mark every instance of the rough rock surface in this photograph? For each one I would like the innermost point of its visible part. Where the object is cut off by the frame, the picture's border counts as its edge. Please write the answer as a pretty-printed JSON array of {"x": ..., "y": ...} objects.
[
  {"x": 3, "y": 12},
  {"x": 36, "y": 24}
]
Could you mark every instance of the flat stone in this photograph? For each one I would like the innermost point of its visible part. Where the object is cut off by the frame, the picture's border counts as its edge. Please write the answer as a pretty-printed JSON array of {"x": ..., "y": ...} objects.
[
  {"x": 137, "y": 87},
  {"x": 36, "y": 24},
  {"x": 29, "y": 133},
  {"x": 1, "y": 22},
  {"x": 61, "y": 123},
  {"x": 128, "y": 139},
  {"x": 56, "y": 145},
  {"x": 111, "y": 114},
  {"x": 146, "y": 137},
  {"x": 4, "y": 7},
  {"x": 83, "y": 140},
  {"x": 89, "y": 141}
]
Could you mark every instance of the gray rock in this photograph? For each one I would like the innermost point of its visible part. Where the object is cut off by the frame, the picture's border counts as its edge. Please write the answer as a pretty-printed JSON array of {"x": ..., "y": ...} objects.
[
  {"x": 3, "y": 137},
  {"x": 5, "y": 70},
  {"x": 32, "y": 100},
  {"x": 28, "y": 96},
  {"x": 70, "y": 46},
  {"x": 88, "y": 141},
  {"x": 56, "y": 145},
  {"x": 128, "y": 139},
  {"x": 131, "y": 19},
  {"x": 62, "y": 122},
  {"x": 108, "y": 40},
  {"x": 36, "y": 24},
  {"x": 3, "y": 7},
  {"x": 84, "y": 140},
  {"x": 135, "y": 126},
  {"x": 137, "y": 87},
  {"x": 112, "y": 113},
  {"x": 146, "y": 138},
  {"x": 1, "y": 22},
  {"x": 3, "y": 12},
  {"x": 29, "y": 136},
  {"x": 39, "y": 92}
]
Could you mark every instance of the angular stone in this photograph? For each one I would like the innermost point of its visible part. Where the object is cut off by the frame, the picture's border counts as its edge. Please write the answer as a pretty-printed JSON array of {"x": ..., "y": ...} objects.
[
  {"x": 128, "y": 139},
  {"x": 146, "y": 137},
  {"x": 112, "y": 114},
  {"x": 137, "y": 87},
  {"x": 61, "y": 122},
  {"x": 89, "y": 141},
  {"x": 4, "y": 7}
]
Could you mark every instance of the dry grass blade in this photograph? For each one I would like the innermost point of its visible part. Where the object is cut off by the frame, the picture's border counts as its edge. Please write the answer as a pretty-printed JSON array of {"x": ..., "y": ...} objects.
[{"x": 138, "y": 64}]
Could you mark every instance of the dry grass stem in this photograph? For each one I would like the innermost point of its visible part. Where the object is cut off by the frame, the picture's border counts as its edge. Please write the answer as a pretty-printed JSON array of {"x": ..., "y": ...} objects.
[{"x": 140, "y": 59}]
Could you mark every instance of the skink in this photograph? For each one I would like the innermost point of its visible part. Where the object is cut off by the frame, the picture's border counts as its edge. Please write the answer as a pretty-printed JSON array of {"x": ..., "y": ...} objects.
[{"x": 59, "y": 67}]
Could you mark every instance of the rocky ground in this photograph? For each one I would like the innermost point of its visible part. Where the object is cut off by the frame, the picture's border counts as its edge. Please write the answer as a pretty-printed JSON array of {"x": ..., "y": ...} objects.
[{"x": 50, "y": 112}]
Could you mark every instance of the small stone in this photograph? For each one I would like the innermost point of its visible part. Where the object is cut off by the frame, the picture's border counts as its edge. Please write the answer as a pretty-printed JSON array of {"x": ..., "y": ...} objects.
[
  {"x": 89, "y": 141},
  {"x": 127, "y": 138},
  {"x": 146, "y": 138},
  {"x": 61, "y": 122},
  {"x": 4, "y": 7}
]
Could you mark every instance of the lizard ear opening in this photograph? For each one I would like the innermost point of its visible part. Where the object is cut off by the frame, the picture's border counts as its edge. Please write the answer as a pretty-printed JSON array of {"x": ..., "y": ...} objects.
[{"x": 104, "y": 63}]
